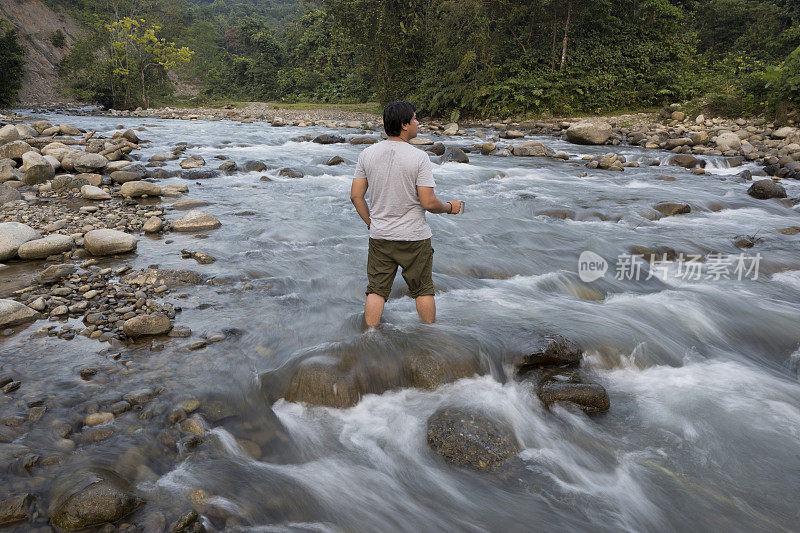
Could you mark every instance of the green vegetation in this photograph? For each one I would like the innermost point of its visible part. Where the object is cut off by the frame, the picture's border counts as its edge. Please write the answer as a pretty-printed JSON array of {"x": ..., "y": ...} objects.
[
  {"x": 12, "y": 64},
  {"x": 58, "y": 39},
  {"x": 456, "y": 58}
]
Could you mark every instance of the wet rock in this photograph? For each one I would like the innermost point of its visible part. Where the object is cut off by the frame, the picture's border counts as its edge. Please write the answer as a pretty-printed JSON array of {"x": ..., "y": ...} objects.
[
  {"x": 167, "y": 277},
  {"x": 15, "y": 508},
  {"x": 565, "y": 386},
  {"x": 488, "y": 148},
  {"x": 200, "y": 257},
  {"x": 199, "y": 174},
  {"x": 108, "y": 242},
  {"x": 189, "y": 203},
  {"x": 153, "y": 225},
  {"x": 55, "y": 273},
  {"x": 106, "y": 499},
  {"x": 546, "y": 351},
  {"x": 89, "y": 162},
  {"x": 761, "y": 189},
  {"x": 365, "y": 139},
  {"x": 14, "y": 313},
  {"x": 470, "y": 439},
  {"x": 323, "y": 380},
  {"x": 685, "y": 161},
  {"x": 41, "y": 248},
  {"x": 164, "y": 156},
  {"x": 333, "y": 161},
  {"x": 91, "y": 192},
  {"x": 68, "y": 182},
  {"x": 437, "y": 149},
  {"x": 672, "y": 208},
  {"x": 96, "y": 419},
  {"x": 254, "y": 166},
  {"x": 140, "y": 396},
  {"x": 427, "y": 370},
  {"x": 146, "y": 325},
  {"x": 196, "y": 221},
  {"x": 228, "y": 166},
  {"x": 455, "y": 155},
  {"x": 589, "y": 132},
  {"x": 531, "y": 149},
  {"x": 137, "y": 188},
  {"x": 184, "y": 522},
  {"x": 327, "y": 138},
  {"x": 290, "y": 173},
  {"x": 194, "y": 161},
  {"x": 746, "y": 241}
]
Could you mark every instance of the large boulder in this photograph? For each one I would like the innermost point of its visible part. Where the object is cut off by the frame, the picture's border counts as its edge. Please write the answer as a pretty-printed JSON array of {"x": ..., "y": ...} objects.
[
  {"x": 196, "y": 221},
  {"x": 36, "y": 169},
  {"x": 531, "y": 149},
  {"x": 428, "y": 370},
  {"x": 89, "y": 162},
  {"x": 15, "y": 150},
  {"x": 589, "y": 132},
  {"x": 9, "y": 133},
  {"x": 766, "y": 189},
  {"x": 140, "y": 188},
  {"x": 146, "y": 325},
  {"x": 12, "y": 236},
  {"x": 571, "y": 387},
  {"x": 8, "y": 194},
  {"x": 25, "y": 131},
  {"x": 109, "y": 242},
  {"x": 728, "y": 141},
  {"x": 50, "y": 245},
  {"x": 100, "y": 499},
  {"x": 69, "y": 182},
  {"x": 471, "y": 439},
  {"x": 90, "y": 192},
  {"x": 454, "y": 154},
  {"x": 14, "y": 313}
]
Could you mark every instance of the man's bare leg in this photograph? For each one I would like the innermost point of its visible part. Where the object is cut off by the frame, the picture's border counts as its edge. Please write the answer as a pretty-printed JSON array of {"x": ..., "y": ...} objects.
[
  {"x": 426, "y": 307},
  {"x": 373, "y": 310}
]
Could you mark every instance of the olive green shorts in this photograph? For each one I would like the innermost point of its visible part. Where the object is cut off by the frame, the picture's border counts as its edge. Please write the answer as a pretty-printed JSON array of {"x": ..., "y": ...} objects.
[{"x": 414, "y": 257}]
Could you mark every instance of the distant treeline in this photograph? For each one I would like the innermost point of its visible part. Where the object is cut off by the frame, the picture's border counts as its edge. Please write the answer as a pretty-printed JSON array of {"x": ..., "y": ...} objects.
[{"x": 451, "y": 57}]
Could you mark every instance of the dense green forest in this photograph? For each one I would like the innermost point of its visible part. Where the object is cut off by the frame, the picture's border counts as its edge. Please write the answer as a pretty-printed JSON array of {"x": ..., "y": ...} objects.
[
  {"x": 452, "y": 57},
  {"x": 12, "y": 64}
]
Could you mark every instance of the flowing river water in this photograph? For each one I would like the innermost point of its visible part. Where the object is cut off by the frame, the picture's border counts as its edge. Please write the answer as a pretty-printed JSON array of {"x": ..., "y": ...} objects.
[{"x": 703, "y": 432}]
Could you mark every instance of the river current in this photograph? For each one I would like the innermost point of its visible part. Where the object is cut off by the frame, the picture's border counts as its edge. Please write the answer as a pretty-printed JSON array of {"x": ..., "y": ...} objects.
[{"x": 703, "y": 432}]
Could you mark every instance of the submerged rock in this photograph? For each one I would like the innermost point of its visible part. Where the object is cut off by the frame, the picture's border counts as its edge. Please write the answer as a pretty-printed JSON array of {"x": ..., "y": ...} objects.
[
  {"x": 196, "y": 221},
  {"x": 290, "y": 173},
  {"x": 428, "y": 370},
  {"x": 548, "y": 350},
  {"x": 106, "y": 498},
  {"x": 567, "y": 386},
  {"x": 672, "y": 208},
  {"x": 15, "y": 508},
  {"x": 470, "y": 439}
]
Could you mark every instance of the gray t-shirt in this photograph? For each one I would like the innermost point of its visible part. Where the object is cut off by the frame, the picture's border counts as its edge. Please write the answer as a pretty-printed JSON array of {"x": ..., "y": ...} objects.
[{"x": 394, "y": 170}]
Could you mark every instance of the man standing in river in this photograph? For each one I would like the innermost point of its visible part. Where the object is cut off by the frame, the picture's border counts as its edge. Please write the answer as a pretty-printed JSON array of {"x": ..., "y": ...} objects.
[{"x": 400, "y": 183}]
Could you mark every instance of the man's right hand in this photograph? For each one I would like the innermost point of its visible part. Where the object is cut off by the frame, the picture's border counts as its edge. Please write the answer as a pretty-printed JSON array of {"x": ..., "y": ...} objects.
[{"x": 456, "y": 207}]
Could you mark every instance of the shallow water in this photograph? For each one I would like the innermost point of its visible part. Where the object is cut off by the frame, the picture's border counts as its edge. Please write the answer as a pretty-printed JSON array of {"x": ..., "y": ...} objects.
[{"x": 704, "y": 427}]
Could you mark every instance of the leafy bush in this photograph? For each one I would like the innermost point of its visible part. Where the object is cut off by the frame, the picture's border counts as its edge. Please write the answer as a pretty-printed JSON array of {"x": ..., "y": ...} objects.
[
  {"x": 12, "y": 64},
  {"x": 58, "y": 39}
]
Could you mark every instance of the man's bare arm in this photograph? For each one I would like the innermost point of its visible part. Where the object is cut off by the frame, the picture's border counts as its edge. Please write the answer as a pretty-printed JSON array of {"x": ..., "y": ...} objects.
[
  {"x": 357, "y": 192},
  {"x": 432, "y": 204}
]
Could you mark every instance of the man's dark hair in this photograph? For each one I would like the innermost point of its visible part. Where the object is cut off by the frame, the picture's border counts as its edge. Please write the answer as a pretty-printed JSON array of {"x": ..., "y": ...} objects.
[{"x": 396, "y": 115}]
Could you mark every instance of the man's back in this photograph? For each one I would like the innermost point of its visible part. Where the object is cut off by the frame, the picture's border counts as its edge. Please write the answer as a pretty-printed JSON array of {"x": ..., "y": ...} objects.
[{"x": 393, "y": 171}]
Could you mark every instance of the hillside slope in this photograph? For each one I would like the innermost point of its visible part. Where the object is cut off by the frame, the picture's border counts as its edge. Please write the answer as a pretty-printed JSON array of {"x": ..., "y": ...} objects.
[{"x": 35, "y": 23}]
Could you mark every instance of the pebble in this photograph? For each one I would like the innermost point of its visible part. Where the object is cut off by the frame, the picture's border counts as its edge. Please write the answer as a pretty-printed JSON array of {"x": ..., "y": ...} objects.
[{"x": 96, "y": 419}]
